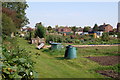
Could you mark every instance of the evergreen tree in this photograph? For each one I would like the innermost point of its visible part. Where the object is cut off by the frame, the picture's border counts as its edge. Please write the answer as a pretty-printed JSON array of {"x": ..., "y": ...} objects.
[
  {"x": 40, "y": 31},
  {"x": 95, "y": 28}
]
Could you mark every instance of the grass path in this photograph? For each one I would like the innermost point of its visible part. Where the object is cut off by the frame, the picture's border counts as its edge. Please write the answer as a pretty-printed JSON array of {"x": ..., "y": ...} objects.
[{"x": 50, "y": 67}]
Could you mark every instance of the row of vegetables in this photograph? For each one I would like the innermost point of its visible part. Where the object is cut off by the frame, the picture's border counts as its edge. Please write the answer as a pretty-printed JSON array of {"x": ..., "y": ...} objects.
[{"x": 16, "y": 62}]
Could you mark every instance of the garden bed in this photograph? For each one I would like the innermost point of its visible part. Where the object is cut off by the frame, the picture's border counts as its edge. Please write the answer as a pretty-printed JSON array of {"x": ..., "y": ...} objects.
[
  {"x": 109, "y": 73},
  {"x": 106, "y": 60}
]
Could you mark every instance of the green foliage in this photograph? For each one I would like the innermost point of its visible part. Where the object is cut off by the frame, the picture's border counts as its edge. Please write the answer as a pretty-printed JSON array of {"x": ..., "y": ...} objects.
[
  {"x": 54, "y": 38},
  {"x": 105, "y": 36},
  {"x": 95, "y": 28},
  {"x": 116, "y": 68},
  {"x": 74, "y": 29},
  {"x": 19, "y": 8},
  {"x": 8, "y": 25},
  {"x": 86, "y": 29},
  {"x": 112, "y": 33},
  {"x": 30, "y": 35},
  {"x": 49, "y": 28},
  {"x": 118, "y": 35},
  {"x": 16, "y": 61},
  {"x": 41, "y": 31}
]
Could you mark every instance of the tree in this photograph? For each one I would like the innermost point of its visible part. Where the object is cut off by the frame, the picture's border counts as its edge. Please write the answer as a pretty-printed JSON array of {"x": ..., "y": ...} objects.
[
  {"x": 74, "y": 29},
  {"x": 95, "y": 28},
  {"x": 40, "y": 31},
  {"x": 8, "y": 25},
  {"x": 49, "y": 28},
  {"x": 86, "y": 29},
  {"x": 118, "y": 27},
  {"x": 19, "y": 8}
]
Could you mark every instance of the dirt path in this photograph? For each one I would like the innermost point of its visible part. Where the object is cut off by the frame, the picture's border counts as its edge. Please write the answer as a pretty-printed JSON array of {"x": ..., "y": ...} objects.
[
  {"x": 93, "y": 45},
  {"x": 47, "y": 46}
]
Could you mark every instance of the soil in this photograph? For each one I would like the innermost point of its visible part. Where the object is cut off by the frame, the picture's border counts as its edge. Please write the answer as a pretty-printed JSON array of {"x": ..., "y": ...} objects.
[
  {"x": 106, "y": 60},
  {"x": 109, "y": 73}
]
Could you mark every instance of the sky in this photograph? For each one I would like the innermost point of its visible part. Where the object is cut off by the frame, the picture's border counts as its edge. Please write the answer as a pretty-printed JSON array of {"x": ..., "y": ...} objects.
[{"x": 78, "y": 14}]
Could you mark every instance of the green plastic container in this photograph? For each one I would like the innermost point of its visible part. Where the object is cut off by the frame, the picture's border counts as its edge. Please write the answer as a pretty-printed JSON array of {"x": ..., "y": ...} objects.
[
  {"x": 56, "y": 46},
  {"x": 70, "y": 52}
]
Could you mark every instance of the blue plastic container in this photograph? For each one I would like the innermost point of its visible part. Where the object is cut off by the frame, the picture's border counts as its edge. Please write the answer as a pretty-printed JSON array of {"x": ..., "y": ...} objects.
[{"x": 56, "y": 46}]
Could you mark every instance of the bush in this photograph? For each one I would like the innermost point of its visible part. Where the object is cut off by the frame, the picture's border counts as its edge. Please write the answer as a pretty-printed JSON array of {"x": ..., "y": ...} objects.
[
  {"x": 105, "y": 36},
  {"x": 54, "y": 38},
  {"x": 16, "y": 61}
]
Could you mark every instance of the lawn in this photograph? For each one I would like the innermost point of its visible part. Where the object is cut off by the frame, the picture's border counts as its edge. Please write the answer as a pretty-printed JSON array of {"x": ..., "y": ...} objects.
[{"x": 53, "y": 65}]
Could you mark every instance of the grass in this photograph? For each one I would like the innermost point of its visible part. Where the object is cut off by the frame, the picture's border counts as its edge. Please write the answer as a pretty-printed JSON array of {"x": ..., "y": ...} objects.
[{"x": 51, "y": 64}]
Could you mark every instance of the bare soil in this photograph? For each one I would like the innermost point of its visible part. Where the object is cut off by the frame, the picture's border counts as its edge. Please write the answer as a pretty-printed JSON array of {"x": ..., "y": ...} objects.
[
  {"x": 109, "y": 73},
  {"x": 106, "y": 60}
]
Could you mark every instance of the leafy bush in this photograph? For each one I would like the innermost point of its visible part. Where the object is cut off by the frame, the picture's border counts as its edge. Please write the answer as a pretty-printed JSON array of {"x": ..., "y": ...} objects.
[
  {"x": 54, "y": 38},
  {"x": 16, "y": 61},
  {"x": 105, "y": 37}
]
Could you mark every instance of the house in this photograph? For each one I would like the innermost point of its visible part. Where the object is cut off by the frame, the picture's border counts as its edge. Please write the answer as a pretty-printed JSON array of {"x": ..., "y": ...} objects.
[
  {"x": 63, "y": 30},
  {"x": 105, "y": 28}
]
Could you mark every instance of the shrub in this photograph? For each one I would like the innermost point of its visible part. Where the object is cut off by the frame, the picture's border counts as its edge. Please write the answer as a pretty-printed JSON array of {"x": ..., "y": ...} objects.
[
  {"x": 54, "y": 38},
  {"x": 105, "y": 37},
  {"x": 16, "y": 61}
]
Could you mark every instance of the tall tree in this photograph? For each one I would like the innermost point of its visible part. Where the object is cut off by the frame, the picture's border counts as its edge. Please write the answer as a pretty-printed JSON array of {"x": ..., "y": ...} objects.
[
  {"x": 40, "y": 30},
  {"x": 74, "y": 28},
  {"x": 8, "y": 25},
  {"x": 95, "y": 28},
  {"x": 118, "y": 27},
  {"x": 19, "y": 7},
  {"x": 118, "y": 30}
]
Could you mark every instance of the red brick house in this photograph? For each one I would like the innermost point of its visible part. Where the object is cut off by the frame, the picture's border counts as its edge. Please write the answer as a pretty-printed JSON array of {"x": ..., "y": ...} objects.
[
  {"x": 64, "y": 29},
  {"x": 105, "y": 28}
]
